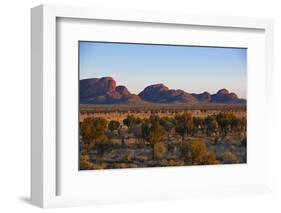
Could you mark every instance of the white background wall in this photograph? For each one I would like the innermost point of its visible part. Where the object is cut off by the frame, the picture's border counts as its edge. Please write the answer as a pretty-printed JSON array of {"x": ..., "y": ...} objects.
[{"x": 15, "y": 104}]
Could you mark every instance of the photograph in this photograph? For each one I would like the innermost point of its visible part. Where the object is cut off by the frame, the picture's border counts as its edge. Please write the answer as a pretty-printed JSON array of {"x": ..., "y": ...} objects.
[{"x": 161, "y": 105}]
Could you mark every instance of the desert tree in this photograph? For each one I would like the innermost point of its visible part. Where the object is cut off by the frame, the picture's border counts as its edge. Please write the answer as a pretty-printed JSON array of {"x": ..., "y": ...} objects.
[
  {"x": 235, "y": 123},
  {"x": 184, "y": 124},
  {"x": 93, "y": 131},
  {"x": 145, "y": 126},
  {"x": 211, "y": 124},
  {"x": 113, "y": 125},
  {"x": 131, "y": 120},
  {"x": 153, "y": 118},
  {"x": 154, "y": 135},
  {"x": 167, "y": 124},
  {"x": 136, "y": 130},
  {"x": 224, "y": 121},
  {"x": 122, "y": 134},
  {"x": 198, "y": 124},
  {"x": 113, "y": 128},
  {"x": 152, "y": 132}
]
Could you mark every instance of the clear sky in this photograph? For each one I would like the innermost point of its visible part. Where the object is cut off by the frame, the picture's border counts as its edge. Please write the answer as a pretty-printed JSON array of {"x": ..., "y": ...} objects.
[{"x": 193, "y": 69}]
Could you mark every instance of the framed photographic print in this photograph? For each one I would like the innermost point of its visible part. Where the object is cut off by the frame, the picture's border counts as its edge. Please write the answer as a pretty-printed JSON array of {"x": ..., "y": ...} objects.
[
  {"x": 149, "y": 106},
  {"x": 198, "y": 122}
]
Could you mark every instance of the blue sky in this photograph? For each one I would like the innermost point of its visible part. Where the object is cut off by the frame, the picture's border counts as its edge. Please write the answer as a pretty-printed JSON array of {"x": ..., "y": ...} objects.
[{"x": 193, "y": 69}]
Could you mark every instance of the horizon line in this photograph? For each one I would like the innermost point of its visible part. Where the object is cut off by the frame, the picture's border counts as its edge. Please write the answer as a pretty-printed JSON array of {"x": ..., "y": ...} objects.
[{"x": 165, "y": 86}]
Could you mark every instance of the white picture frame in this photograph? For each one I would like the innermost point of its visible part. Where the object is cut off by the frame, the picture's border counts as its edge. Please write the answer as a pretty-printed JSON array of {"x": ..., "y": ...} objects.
[{"x": 44, "y": 154}]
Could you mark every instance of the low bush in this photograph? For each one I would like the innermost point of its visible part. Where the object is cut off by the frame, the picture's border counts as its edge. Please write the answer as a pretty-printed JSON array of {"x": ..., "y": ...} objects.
[
  {"x": 159, "y": 150},
  {"x": 229, "y": 158}
]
